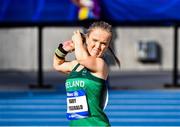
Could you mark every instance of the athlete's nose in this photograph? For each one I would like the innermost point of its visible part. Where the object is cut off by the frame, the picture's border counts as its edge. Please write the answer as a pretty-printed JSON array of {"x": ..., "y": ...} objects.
[{"x": 98, "y": 45}]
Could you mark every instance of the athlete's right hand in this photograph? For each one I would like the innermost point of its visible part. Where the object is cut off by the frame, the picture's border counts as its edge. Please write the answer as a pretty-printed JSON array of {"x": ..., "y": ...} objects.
[{"x": 68, "y": 46}]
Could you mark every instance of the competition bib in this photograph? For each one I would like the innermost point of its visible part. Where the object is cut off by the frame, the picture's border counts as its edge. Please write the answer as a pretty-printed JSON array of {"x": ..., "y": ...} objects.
[{"x": 77, "y": 107}]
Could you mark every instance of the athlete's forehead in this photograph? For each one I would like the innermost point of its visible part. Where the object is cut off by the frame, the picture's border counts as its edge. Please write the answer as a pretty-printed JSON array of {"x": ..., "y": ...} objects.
[{"x": 100, "y": 34}]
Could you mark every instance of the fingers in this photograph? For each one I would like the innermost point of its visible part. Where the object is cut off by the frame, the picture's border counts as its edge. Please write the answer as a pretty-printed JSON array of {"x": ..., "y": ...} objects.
[
  {"x": 76, "y": 38},
  {"x": 68, "y": 45},
  {"x": 77, "y": 32}
]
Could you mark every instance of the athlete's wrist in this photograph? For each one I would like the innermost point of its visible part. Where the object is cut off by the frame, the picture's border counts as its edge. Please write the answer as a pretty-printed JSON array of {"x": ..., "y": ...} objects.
[{"x": 60, "y": 52}]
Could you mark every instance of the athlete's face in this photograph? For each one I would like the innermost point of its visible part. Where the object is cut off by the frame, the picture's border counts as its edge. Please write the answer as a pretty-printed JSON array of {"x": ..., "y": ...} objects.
[{"x": 98, "y": 41}]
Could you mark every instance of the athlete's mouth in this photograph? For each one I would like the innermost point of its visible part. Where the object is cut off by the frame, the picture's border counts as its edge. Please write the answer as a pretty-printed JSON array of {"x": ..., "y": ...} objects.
[{"x": 96, "y": 51}]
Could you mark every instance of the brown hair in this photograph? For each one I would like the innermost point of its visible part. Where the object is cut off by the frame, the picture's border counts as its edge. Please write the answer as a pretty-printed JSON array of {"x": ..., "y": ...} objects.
[{"x": 107, "y": 27}]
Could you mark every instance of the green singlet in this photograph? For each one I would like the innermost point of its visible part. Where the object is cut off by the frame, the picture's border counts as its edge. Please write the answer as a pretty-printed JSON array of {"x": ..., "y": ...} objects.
[{"x": 85, "y": 99}]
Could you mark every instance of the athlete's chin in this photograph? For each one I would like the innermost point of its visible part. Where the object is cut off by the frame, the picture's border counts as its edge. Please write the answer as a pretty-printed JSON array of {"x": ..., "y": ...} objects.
[{"x": 96, "y": 55}]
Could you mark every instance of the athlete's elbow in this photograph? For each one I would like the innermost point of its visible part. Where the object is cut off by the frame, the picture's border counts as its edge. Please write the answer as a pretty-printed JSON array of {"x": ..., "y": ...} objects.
[{"x": 55, "y": 66}]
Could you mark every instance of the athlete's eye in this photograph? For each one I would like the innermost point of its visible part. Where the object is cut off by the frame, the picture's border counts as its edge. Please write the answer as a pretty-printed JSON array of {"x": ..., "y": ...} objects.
[{"x": 95, "y": 40}]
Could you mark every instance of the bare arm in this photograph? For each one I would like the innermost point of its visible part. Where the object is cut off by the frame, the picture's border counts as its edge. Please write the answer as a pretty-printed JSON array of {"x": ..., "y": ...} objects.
[
  {"x": 96, "y": 65},
  {"x": 80, "y": 50},
  {"x": 93, "y": 63},
  {"x": 60, "y": 64}
]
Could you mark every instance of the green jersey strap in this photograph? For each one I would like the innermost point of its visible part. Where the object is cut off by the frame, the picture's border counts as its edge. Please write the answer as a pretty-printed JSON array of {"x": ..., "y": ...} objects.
[{"x": 74, "y": 69}]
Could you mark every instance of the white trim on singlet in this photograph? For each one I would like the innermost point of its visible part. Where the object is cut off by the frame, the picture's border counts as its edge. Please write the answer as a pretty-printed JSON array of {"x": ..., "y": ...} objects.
[{"x": 107, "y": 99}]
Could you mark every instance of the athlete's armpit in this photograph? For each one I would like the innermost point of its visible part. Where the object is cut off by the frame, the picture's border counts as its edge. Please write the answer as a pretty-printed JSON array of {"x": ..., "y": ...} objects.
[{"x": 63, "y": 66}]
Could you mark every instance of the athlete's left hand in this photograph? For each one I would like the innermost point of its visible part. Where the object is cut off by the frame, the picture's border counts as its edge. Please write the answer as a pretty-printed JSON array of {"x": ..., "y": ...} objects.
[{"x": 76, "y": 38}]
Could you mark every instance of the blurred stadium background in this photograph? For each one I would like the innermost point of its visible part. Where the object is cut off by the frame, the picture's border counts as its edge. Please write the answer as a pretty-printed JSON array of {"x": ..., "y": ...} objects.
[{"x": 143, "y": 92}]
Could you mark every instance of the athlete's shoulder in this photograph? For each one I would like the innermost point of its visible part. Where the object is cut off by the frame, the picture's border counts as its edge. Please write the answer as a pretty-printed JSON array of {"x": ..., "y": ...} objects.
[
  {"x": 102, "y": 65},
  {"x": 101, "y": 60}
]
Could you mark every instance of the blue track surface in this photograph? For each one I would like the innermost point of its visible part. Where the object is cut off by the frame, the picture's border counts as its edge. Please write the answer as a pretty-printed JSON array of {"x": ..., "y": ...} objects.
[{"x": 125, "y": 108}]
